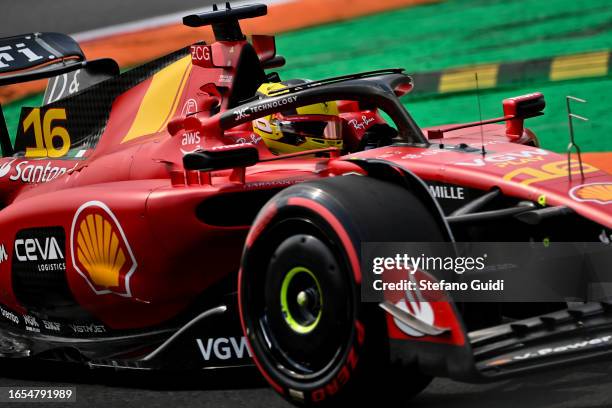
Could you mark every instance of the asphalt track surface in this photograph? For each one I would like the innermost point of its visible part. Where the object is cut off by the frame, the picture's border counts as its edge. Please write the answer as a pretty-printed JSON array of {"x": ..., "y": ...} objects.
[{"x": 586, "y": 386}]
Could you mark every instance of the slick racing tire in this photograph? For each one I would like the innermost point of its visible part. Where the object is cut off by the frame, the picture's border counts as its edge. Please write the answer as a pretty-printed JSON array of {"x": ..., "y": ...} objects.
[{"x": 311, "y": 337}]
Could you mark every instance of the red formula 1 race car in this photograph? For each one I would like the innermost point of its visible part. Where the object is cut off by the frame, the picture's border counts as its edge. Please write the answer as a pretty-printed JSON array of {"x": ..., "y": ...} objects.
[{"x": 198, "y": 212}]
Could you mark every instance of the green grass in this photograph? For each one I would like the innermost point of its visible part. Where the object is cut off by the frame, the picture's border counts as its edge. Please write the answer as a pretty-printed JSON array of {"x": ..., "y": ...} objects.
[
  {"x": 552, "y": 128},
  {"x": 462, "y": 32},
  {"x": 450, "y": 34}
]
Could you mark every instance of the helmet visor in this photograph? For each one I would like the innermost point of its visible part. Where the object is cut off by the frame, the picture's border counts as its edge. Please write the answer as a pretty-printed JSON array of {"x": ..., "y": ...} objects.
[{"x": 327, "y": 127}]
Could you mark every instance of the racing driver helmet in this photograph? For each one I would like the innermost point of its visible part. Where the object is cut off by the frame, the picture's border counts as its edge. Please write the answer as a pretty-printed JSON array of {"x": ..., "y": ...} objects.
[{"x": 309, "y": 127}]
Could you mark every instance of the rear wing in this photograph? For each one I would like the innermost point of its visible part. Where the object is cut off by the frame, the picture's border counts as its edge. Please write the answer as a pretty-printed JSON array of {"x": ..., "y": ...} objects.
[
  {"x": 34, "y": 56},
  {"x": 26, "y": 52}
]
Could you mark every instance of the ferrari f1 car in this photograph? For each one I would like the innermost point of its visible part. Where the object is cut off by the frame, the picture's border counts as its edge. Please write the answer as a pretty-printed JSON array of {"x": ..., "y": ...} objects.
[{"x": 146, "y": 224}]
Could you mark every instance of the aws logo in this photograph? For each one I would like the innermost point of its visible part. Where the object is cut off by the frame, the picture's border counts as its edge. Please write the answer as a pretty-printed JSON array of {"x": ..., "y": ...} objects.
[{"x": 100, "y": 250}]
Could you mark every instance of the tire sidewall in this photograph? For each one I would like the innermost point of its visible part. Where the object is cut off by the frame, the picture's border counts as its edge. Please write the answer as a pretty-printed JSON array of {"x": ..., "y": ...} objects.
[
  {"x": 351, "y": 210},
  {"x": 325, "y": 389}
]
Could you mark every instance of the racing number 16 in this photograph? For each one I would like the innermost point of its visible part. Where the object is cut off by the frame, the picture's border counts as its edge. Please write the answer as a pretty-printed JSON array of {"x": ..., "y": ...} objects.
[{"x": 45, "y": 134}]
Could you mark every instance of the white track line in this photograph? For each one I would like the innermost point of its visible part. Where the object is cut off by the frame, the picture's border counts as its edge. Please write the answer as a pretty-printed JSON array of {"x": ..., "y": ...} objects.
[{"x": 159, "y": 21}]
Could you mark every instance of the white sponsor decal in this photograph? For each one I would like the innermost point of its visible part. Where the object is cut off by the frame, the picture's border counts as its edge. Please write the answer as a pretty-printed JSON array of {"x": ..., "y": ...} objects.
[
  {"x": 598, "y": 341},
  {"x": 6, "y": 168},
  {"x": 53, "y": 326},
  {"x": 449, "y": 192},
  {"x": 31, "y": 249},
  {"x": 9, "y": 315},
  {"x": 56, "y": 93},
  {"x": 191, "y": 138},
  {"x": 365, "y": 121},
  {"x": 87, "y": 328},
  {"x": 6, "y": 58},
  {"x": 254, "y": 140},
  {"x": 3, "y": 254},
  {"x": 30, "y": 320},
  {"x": 507, "y": 159},
  {"x": 241, "y": 114},
  {"x": 200, "y": 53},
  {"x": 274, "y": 104},
  {"x": 224, "y": 348},
  {"x": 31, "y": 323},
  {"x": 33, "y": 173},
  {"x": 195, "y": 149},
  {"x": 191, "y": 106},
  {"x": 225, "y": 79},
  {"x": 273, "y": 183}
]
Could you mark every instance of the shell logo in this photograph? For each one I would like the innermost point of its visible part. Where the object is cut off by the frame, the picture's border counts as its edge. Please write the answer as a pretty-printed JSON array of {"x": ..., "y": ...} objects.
[
  {"x": 100, "y": 250},
  {"x": 600, "y": 193}
]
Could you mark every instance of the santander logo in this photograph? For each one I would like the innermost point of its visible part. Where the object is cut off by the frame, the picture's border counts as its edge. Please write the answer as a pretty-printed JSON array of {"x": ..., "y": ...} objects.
[{"x": 6, "y": 168}]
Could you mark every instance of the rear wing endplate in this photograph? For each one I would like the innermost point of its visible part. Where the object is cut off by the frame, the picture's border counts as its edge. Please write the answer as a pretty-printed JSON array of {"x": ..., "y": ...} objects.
[{"x": 34, "y": 56}]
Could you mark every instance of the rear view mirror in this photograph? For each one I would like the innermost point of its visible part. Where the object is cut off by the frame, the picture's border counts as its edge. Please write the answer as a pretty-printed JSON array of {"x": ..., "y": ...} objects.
[
  {"x": 525, "y": 106},
  {"x": 222, "y": 157},
  {"x": 519, "y": 108}
]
